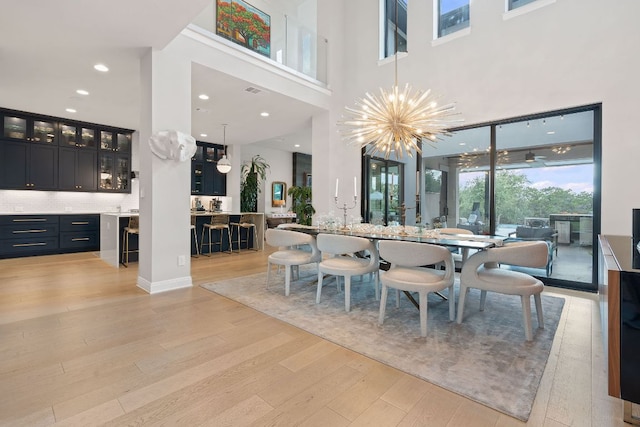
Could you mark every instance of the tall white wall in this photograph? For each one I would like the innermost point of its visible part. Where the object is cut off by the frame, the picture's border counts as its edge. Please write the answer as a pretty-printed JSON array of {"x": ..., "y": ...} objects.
[
  {"x": 280, "y": 169},
  {"x": 569, "y": 53}
]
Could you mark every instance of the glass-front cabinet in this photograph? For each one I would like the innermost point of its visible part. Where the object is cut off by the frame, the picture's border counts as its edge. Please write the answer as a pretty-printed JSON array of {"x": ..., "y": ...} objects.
[
  {"x": 115, "y": 141},
  {"x": 27, "y": 129},
  {"x": 78, "y": 136},
  {"x": 206, "y": 180},
  {"x": 115, "y": 173}
]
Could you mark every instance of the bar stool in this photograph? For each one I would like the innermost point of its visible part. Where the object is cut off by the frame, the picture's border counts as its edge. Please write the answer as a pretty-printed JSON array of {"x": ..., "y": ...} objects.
[
  {"x": 195, "y": 235},
  {"x": 218, "y": 222},
  {"x": 246, "y": 222},
  {"x": 132, "y": 228}
]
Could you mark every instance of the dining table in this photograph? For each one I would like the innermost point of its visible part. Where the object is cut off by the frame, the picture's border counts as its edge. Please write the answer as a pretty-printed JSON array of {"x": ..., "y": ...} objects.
[{"x": 408, "y": 234}]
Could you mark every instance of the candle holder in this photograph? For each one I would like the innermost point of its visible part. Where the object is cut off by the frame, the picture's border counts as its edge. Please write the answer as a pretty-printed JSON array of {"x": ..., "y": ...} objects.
[{"x": 344, "y": 208}]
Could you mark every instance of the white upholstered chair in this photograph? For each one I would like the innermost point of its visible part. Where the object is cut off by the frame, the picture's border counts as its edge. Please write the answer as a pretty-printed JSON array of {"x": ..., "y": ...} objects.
[
  {"x": 288, "y": 255},
  {"x": 406, "y": 274},
  {"x": 345, "y": 262},
  {"x": 482, "y": 271},
  {"x": 459, "y": 258}
]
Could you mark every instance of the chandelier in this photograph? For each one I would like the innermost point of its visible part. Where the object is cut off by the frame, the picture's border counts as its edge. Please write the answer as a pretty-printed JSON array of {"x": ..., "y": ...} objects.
[
  {"x": 224, "y": 165},
  {"x": 396, "y": 120}
]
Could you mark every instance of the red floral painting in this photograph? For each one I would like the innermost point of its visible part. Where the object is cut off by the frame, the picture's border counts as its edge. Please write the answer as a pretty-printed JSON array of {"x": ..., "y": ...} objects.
[{"x": 242, "y": 23}]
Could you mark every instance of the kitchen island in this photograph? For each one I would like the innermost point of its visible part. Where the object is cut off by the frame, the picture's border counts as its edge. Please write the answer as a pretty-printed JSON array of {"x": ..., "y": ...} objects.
[{"x": 112, "y": 225}]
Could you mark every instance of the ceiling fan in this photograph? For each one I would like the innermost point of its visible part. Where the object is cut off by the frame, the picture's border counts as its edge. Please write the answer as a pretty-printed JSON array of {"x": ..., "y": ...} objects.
[{"x": 530, "y": 157}]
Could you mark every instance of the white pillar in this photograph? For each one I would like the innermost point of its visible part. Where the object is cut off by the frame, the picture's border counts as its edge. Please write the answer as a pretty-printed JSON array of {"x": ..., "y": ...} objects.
[{"x": 165, "y": 185}]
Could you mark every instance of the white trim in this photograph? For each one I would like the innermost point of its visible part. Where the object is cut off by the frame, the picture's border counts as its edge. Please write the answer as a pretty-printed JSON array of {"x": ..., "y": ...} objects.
[
  {"x": 392, "y": 58},
  {"x": 453, "y": 36},
  {"x": 165, "y": 285},
  {"x": 530, "y": 7},
  {"x": 220, "y": 43}
]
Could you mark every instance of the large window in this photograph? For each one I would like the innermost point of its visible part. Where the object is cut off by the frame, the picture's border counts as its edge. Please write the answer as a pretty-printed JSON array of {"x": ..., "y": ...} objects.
[
  {"x": 393, "y": 9},
  {"x": 514, "y": 4},
  {"x": 453, "y": 15},
  {"x": 530, "y": 178}
]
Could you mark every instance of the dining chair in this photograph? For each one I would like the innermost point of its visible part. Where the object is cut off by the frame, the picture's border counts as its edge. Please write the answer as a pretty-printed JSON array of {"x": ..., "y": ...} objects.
[
  {"x": 246, "y": 222},
  {"x": 289, "y": 254},
  {"x": 219, "y": 222},
  {"x": 133, "y": 227},
  {"x": 346, "y": 261},
  {"x": 406, "y": 274},
  {"x": 461, "y": 254},
  {"x": 482, "y": 271}
]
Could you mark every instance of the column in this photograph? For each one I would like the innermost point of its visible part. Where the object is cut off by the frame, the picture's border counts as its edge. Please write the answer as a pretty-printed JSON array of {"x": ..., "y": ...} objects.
[{"x": 165, "y": 185}]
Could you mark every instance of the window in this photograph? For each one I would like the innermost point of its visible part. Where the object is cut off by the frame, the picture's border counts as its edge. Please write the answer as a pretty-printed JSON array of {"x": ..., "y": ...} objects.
[
  {"x": 393, "y": 8},
  {"x": 453, "y": 15},
  {"x": 514, "y": 4}
]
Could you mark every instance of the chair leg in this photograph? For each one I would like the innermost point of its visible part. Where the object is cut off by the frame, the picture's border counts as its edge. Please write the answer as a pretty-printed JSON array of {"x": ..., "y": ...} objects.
[
  {"x": 423, "y": 313},
  {"x": 462, "y": 297},
  {"x": 452, "y": 303},
  {"x": 538, "y": 301},
  {"x": 287, "y": 279},
  {"x": 383, "y": 304},
  {"x": 526, "y": 316},
  {"x": 268, "y": 273},
  {"x": 195, "y": 239},
  {"x": 397, "y": 298},
  {"x": 347, "y": 293},
  {"x": 483, "y": 299},
  {"x": 319, "y": 291},
  {"x": 376, "y": 286},
  {"x": 228, "y": 239}
]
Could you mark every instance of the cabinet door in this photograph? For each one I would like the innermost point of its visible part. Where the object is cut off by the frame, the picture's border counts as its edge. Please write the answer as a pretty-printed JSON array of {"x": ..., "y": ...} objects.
[
  {"x": 197, "y": 178},
  {"x": 219, "y": 183},
  {"x": 123, "y": 174},
  {"x": 209, "y": 170},
  {"x": 107, "y": 172},
  {"x": 43, "y": 131},
  {"x": 15, "y": 127},
  {"x": 67, "y": 169},
  {"x": 13, "y": 165},
  {"x": 43, "y": 167},
  {"x": 86, "y": 170},
  {"x": 68, "y": 135}
]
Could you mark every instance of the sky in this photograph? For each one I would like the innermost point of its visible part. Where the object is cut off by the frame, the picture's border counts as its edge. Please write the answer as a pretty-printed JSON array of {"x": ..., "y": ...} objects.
[{"x": 577, "y": 178}]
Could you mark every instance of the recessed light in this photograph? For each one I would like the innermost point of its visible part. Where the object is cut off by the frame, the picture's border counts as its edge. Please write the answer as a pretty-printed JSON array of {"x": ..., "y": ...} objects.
[
  {"x": 297, "y": 145},
  {"x": 264, "y": 114},
  {"x": 462, "y": 143},
  {"x": 551, "y": 132},
  {"x": 70, "y": 110},
  {"x": 82, "y": 92},
  {"x": 101, "y": 67},
  {"x": 203, "y": 96},
  {"x": 203, "y": 135}
]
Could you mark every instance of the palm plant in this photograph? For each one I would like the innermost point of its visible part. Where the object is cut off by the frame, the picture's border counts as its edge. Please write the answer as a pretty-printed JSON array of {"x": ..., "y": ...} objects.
[
  {"x": 253, "y": 173},
  {"x": 301, "y": 203}
]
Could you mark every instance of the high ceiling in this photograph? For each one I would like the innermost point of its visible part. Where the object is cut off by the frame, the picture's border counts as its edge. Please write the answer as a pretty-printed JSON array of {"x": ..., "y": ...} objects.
[{"x": 48, "y": 49}]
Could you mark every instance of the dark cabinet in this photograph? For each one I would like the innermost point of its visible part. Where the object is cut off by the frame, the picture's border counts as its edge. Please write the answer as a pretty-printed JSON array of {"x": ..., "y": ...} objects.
[
  {"x": 115, "y": 172},
  {"x": 27, "y": 166},
  {"x": 24, "y": 235},
  {"x": 206, "y": 180},
  {"x": 79, "y": 232},
  {"x": 48, "y": 153},
  {"x": 25, "y": 128},
  {"x": 72, "y": 135},
  {"x": 77, "y": 170}
]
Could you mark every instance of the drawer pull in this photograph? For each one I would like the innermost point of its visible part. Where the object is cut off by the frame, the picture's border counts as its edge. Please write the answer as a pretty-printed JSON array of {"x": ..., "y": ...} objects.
[
  {"x": 29, "y": 231},
  {"x": 80, "y": 223},
  {"x": 80, "y": 239},
  {"x": 31, "y": 220},
  {"x": 22, "y": 245}
]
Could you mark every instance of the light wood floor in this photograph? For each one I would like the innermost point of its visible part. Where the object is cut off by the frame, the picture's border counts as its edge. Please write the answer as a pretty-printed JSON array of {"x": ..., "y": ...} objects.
[{"x": 81, "y": 345}]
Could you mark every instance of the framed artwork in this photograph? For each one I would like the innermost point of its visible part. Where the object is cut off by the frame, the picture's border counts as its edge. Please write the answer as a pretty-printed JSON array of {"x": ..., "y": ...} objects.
[
  {"x": 278, "y": 194},
  {"x": 238, "y": 21}
]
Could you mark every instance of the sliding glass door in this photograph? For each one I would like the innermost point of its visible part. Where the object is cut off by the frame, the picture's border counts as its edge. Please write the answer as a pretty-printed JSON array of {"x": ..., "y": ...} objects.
[
  {"x": 530, "y": 178},
  {"x": 383, "y": 192}
]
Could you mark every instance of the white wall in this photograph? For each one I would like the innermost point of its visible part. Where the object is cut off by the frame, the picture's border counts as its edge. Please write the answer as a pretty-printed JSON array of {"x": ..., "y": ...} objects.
[
  {"x": 280, "y": 169},
  {"x": 569, "y": 53}
]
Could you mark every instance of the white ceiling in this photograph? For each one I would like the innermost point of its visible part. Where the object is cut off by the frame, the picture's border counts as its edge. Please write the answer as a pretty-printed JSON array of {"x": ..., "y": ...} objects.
[{"x": 48, "y": 49}]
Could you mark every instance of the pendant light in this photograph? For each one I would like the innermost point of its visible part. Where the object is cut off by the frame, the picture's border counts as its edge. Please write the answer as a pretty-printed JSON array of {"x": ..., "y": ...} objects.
[
  {"x": 396, "y": 121},
  {"x": 224, "y": 165}
]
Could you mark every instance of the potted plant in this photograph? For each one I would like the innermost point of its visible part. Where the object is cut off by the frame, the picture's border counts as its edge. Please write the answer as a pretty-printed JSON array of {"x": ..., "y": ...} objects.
[
  {"x": 301, "y": 203},
  {"x": 253, "y": 173}
]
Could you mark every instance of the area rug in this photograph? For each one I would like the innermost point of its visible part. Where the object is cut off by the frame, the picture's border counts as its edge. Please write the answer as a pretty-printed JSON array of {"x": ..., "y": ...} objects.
[{"x": 486, "y": 358}]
